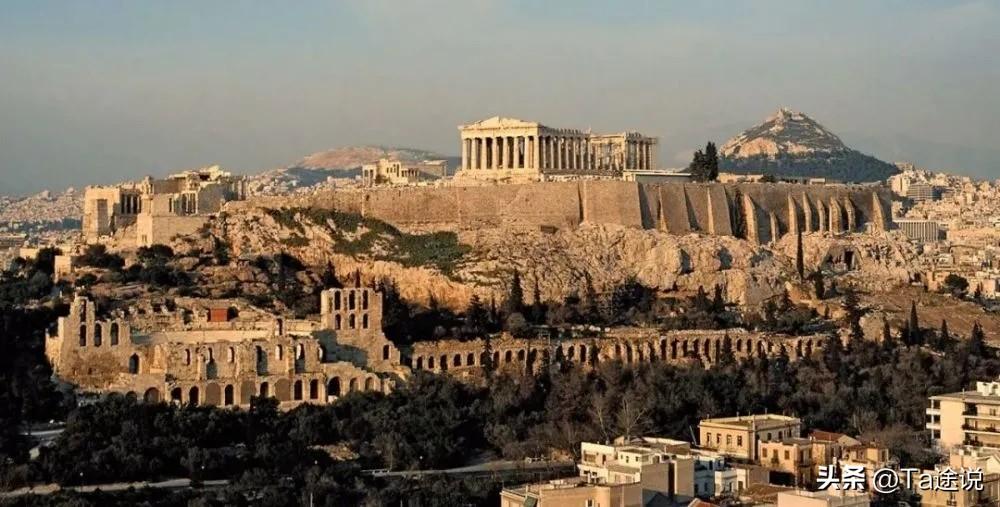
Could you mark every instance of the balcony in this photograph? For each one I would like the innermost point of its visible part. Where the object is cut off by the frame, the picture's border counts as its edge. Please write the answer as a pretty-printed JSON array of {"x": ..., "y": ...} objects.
[
  {"x": 933, "y": 411},
  {"x": 981, "y": 429}
]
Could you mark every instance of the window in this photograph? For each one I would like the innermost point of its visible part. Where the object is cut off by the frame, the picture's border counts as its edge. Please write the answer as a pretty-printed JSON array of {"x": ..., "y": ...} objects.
[
  {"x": 718, "y": 438},
  {"x": 739, "y": 441},
  {"x": 769, "y": 436},
  {"x": 729, "y": 440},
  {"x": 763, "y": 452},
  {"x": 708, "y": 438},
  {"x": 787, "y": 455}
]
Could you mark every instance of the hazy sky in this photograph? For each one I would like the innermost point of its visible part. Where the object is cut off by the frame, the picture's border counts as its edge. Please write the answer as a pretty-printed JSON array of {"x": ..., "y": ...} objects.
[{"x": 99, "y": 91}]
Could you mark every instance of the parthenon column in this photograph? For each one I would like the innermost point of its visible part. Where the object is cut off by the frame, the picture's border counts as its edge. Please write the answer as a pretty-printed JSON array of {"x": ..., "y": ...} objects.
[
  {"x": 537, "y": 159},
  {"x": 465, "y": 154},
  {"x": 476, "y": 163},
  {"x": 495, "y": 153}
]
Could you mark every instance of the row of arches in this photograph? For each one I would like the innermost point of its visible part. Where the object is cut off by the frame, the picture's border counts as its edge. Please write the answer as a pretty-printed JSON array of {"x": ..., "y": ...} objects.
[
  {"x": 708, "y": 349},
  {"x": 97, "y": 335},
  {"x": 350, "y": 300},
  {"x": 352, "y": 321},
  {"x": 284, "y": 390}
]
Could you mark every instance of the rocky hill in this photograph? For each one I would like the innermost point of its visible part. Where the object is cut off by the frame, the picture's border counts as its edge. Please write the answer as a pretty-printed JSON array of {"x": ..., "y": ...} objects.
[
  {"x": 790, "y": 143},
  {"x": 339, "y": 163}
]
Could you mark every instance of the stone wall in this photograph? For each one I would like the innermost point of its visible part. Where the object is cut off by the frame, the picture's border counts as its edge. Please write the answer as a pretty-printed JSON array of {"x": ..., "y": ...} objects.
[{"x": 674, "y": 207}]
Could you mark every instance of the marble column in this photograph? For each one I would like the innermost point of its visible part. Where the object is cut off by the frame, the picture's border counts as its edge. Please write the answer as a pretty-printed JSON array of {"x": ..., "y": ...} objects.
[
  {"x": 495, "y": 153},
  {"x": 536, "y": 160},
  {"x": 465, "y": 154}
]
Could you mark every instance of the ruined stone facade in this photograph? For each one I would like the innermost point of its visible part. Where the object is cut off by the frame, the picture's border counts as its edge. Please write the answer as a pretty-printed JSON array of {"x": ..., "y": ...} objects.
[
  {"x": 508, "y": 149},
  {"x": 628, "y": 345},
  {"x": 398, "y": 172},
  {"x": 221, "y": 353},
  {"x": 155, "y": 210}
]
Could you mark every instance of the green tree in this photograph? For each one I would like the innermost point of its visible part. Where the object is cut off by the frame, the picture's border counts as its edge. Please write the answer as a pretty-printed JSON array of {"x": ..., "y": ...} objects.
[
  {"x": 956, "y": 285},
  {"x": 515, "y": 295},
  {"x": 799, "y": 256},
  {"x": 913, "y": 334}
]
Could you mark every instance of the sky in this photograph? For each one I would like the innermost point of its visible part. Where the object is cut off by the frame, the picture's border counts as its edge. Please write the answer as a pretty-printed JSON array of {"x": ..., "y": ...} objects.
[{"x": 95, "y": 92}]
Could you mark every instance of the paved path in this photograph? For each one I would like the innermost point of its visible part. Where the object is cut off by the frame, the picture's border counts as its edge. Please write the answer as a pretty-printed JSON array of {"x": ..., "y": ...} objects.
[
  {"x": 489, "y": 467},
  {"x": 48, "y": 489}
]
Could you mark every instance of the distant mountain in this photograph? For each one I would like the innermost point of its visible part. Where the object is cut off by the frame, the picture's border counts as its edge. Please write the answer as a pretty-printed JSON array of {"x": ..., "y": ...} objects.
[
  {"x": 318, "y": 168},
  {"x": 790, "y": 143}
]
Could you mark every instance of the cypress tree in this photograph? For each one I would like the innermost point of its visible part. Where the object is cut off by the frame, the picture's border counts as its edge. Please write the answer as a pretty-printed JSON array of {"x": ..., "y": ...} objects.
[
  {"x": 515, "y": 295},
  {"x": 537, "y": 309},
  {"x": 913, "y": 326},
  {"x": 711, "y": 162}
]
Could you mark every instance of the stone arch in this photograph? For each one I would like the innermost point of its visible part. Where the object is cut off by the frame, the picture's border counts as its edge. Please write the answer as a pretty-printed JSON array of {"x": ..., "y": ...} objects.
[
  {"x": 338, "y": 322},
  {"x": 663, "y": 350},
  {"x": 297, "y": 394},
  {"x": 521, "y": 356},
  {"x": 231, "y": 355},
  {"x": 583, "y": 354},
  {"x": 370, "y": 384},
  {"x": 650, "y": 352},
  {"x": 717, "y": 348},
  {"x": 430, "y": 362},
  {"x": 83, "y": 335},
  {"x": 420, "y": 363},
  {"x": 496, "y": 359},
  {"x": 571, "y": 352},
  {"x": 336, "y": 300},
  {"x": 760, "y": 348},
  {"x": 809, "y": 348},
  {"x": 261, "y": 360},
  {"x": 673, "y": 349},
  {"x": 739, "y": 345},
  {"x": 247, "y": 390},
  {"x": 639, "y": 355},
  {"x": 364, "y": 301},
  {"x": 470, "y": 359},
  {"x": 176, "y": 394},
  {"x": 352, "y": 385},
  {"x": 133, "y": 364},
  {"x": 483, "y": 357},
  {"x": 628, "y": 353},
  {"x": 152, "y": 395},
  {"x": 213, "y": 394},
  {"x": 364, "y": 321},
  {"x": 352, "y": 302},
  {"x": 187, "y": 356},
  {"x": 385, "y": 352},
  {"x": 618, "y": 351},
  {"x": 333, "y": 387},
  {"x": 696, "y": 345},
  {"x": 443, "y": 363},
  {"x": 115, "y": 333},
  {"x": 313, "y": 389},
  {"x": 798, "y": 349},
  {"x": 282, "y": 389},
  {"x": 508, "y": 356},
  {"x": 352, "y": 321},
  {"x": 560, "y": 353},
  {"x": 264, "y": 390},
  {"x": 98, "y": 334},
  {"x": 457, "y": 360},
  {"x": 706, "y": 346},
  {"x": 211, "y": 369},
  {"x": 227, "y": 395},
  {"x": 193, "y": 396}
]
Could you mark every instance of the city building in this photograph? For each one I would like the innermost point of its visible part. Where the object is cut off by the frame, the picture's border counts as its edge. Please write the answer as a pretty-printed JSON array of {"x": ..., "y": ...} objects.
[
  {"x": 156, "y": 210},
  {"x": 574, "y": 492},
  {"x": 397, "y": 172},
  {"x": 827, "y": 498},
  {"x": 966, "y": 418},
  {"x": 508, "y": 149},
  {"x": 922, "y": 231},
  {"x": 740, "y": 436},
  {"x": 660, "y": 466}
]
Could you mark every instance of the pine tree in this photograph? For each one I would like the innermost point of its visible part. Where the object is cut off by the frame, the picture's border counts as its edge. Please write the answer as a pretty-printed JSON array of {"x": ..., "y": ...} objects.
[
  {"x": 589, "y": 310},
  {"x": 357, "y": 278},
  {"x": 476, "y": 317},
  {"x": 888, "y": 343},
  {"x": 329, "y": 277},
  {"x": 697, "y": 167}
]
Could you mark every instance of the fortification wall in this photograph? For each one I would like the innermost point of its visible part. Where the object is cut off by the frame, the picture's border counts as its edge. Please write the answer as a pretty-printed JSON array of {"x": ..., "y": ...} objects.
[{"x": 678, "y": 208}]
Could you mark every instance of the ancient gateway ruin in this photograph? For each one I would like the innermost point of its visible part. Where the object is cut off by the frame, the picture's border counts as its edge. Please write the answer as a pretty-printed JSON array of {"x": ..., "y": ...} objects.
[
  {"x": 508, "y": 149},
  {"x": 155, "y": 210},
  {"x": 223, "y": 352}
]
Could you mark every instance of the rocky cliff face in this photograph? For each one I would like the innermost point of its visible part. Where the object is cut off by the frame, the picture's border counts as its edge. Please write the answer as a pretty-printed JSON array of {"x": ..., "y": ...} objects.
[{"x": 791, "y": 143}]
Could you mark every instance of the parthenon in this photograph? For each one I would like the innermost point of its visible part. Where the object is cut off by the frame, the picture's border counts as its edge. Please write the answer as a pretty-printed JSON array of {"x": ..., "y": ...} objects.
[{"x": 515, "y": 150}]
